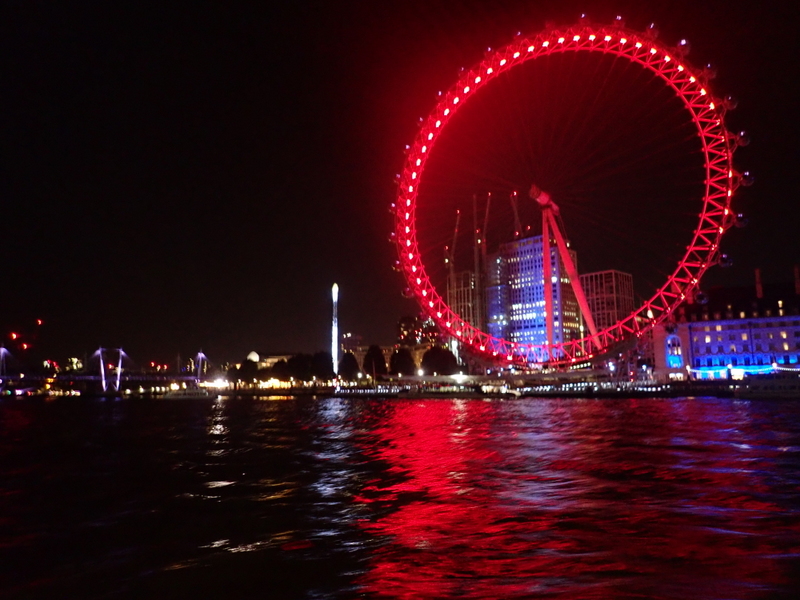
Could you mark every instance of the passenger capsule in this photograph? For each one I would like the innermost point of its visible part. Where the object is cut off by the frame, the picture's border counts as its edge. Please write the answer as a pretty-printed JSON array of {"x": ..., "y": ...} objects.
[{"x": 742, "y": 138}]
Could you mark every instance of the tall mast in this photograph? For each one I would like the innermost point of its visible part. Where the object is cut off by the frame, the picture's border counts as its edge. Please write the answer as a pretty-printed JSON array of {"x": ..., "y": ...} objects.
[
  {"x": 335, "y": 329},
  {"x": 119, "y": 368},
  {"x": 102, "y": 370}
]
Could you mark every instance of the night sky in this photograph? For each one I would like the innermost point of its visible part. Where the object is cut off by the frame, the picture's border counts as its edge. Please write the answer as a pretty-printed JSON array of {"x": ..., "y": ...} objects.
[{"x": 178, "y": 176}]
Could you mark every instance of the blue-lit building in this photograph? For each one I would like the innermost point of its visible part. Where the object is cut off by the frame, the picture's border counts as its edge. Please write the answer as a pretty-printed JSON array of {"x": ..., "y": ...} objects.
[
  {"x": 515, "y": 294},
  {"x": 732, "y": 333}
]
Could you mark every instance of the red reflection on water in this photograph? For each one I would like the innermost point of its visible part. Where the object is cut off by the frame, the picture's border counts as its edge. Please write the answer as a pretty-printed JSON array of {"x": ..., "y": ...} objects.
[{"x": 571, "y": 500}]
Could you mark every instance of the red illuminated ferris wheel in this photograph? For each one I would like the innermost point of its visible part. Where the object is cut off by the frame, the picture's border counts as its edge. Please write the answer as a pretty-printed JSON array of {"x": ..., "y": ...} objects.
[{"x": 688, "y": 84}]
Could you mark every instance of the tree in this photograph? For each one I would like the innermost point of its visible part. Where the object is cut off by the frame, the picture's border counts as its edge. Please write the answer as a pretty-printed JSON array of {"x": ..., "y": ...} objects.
[
  {"x": 322, "y": 366},
  {"x": 440, "y": 361},
  {"x": 348, "y": 366},
  {"x": 402, "y": 363},
  {"x": 280, "y": 370},
  {"x": 374, "y": 363},
  {"x": 299, "y": 366},
  {"x": 248, "y": 371}
]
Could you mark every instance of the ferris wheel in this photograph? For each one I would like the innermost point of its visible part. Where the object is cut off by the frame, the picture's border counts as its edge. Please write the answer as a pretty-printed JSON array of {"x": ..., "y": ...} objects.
[{"x": 720, "y": 180}]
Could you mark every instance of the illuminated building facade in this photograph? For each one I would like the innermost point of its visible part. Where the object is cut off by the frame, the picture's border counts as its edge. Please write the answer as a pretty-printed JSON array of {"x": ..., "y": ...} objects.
[
  {"x": 461, "y": 296},
  {"x": 515, "y": 294},
  {"x": 734, "y": 332},
  {"x": 497, "y": 303},
  {"x": 414, "y": 331},
  {"x": 609, "y": 295}
]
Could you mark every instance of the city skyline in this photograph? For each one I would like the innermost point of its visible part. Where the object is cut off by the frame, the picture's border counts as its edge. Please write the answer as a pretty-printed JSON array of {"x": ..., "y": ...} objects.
[{"x": 184, "y": 180}]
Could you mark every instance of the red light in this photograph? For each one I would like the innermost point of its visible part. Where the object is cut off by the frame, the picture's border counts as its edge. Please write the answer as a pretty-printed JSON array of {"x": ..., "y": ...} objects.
[
  {"x": 39, "y": 321},
  {"x": 13, "y": 335},
  {"x": 24, "y": 346},
  {"x": 152, "y": 364}
]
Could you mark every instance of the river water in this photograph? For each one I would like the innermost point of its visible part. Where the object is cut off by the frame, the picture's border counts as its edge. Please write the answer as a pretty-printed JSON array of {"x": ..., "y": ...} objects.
[{"x": 360, "y": 498}]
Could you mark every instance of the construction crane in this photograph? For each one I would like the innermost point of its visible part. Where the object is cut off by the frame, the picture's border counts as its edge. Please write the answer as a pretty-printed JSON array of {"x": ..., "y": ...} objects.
[
  {"x": 517, "y": 223},
  {"x": 450, "y": 254}
]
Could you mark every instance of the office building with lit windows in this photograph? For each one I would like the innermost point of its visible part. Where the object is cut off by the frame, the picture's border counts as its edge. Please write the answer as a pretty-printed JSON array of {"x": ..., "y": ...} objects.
[
  {"x": 462, "y": 297},
  {"x": 515, "y": 294},
  {"x": 735, "y": 332},
  {"x": 609, "y": 295}
]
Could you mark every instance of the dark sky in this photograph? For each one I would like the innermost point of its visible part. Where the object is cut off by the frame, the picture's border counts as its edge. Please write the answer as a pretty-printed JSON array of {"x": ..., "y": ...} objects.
[{"x": 178, "y": 176}]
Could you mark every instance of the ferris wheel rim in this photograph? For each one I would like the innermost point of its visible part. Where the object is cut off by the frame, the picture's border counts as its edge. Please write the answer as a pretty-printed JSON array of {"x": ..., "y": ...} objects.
[{"x": 687, "y": 83}]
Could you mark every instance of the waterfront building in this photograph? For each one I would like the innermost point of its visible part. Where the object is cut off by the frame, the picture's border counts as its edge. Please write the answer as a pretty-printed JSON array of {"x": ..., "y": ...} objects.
[
  {"x": 414, "y": 331},
  {"x": 497, "y": 303},
  {"x": 351, "y": 341},
  {"x": 609, "y": 295},
  {"x": 462, "y": 296},
  {"x": 731, "y": 333},
  {"x": 263, "y": 360},
  {"x": 515, "y": 294}
]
